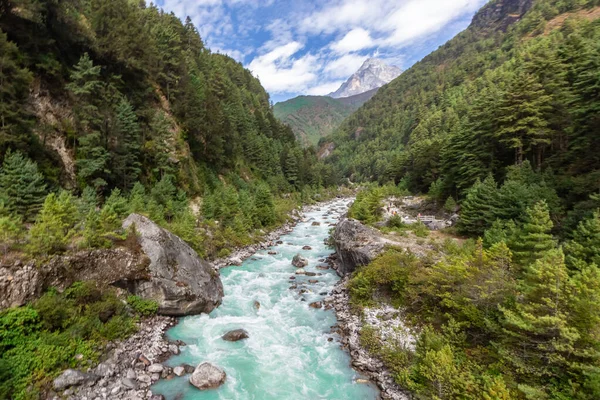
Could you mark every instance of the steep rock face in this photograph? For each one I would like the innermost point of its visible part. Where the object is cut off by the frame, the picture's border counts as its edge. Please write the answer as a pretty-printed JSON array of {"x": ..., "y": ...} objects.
[
  {"x": 179, "y": 279},
  {"x": 371, "y": 75},
  {"x": 356, "y": 245},
  {"x": 500, "y": 14}
]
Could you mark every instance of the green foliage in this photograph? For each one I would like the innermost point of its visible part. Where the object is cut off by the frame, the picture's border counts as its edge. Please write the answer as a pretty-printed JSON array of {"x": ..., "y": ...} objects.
[
  {"x": 142, "y": 306},
  {"x": 534, "y": 238},
  {"x": 584, "y": 248},
  {"x": 40, "y": 340},
  {"x": 22, "y": 186},
  {"x": 11, "y": 232},
  {"x": 54, "y": 225},
  {"x": 367, "y": 206}
]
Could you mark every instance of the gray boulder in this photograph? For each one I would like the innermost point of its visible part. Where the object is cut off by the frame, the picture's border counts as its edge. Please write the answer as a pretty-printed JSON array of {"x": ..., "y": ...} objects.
[
  {"x": 235, "y": 335},
  {"x": 356, "y": 245},
  {"x": 72, "y": 377},
  {"x": 299, "y": 262},
  {"x": 178, "y": 279},
  {"x": 207, "y": 376}
]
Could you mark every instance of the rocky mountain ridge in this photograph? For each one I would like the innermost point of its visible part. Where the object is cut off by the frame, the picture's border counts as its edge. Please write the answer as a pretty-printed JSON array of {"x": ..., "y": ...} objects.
[{"x": 373, "y": 74}]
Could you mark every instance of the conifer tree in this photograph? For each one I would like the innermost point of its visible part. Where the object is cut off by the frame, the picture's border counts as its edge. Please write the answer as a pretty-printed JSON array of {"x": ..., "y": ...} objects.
[
  {"x": 534, "y": 238},
  {"x": 584, "y": 248},
  {"x": 127, "y": 164},
  {"x": 92, "y": 154},
  {"x": 521, "y": 120},
  {"x": 22, "y": 186},
  {"x": 53, "y": 226},
  {"x": 479, "y": 207},
  {"x": 538, "y": 338},
  {"x": 14, "y": 88}
]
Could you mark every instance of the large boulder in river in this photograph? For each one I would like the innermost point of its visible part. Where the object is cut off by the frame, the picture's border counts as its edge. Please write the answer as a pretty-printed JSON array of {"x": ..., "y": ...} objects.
[
  {"x": 178, "y": 279},
  {"x": 235, "y": 335},
  {"x": 207, "y": 376},
  {"x": 356, "y": 245},
  {"x": 299, "y": 262}
]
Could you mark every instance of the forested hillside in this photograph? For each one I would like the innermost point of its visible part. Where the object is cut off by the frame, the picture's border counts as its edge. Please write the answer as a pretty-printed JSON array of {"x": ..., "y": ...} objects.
[
  {"x": 521, "y": 83},
  {"x": 313, "y": 117},
  {"x": 505, "y": 121},
  {"x": 121, "y": 103}
]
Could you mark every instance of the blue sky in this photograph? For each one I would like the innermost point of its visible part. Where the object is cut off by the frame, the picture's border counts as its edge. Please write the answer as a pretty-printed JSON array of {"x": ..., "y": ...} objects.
[{"x": 313, "y": 46}]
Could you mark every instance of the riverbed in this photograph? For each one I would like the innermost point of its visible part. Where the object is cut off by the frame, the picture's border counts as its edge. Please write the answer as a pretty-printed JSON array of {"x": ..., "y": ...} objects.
[{"x": 291, "y": 352}]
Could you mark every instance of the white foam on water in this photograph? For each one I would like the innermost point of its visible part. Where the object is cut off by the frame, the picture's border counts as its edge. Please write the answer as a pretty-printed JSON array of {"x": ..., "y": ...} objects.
[{"x": 287, "y": 355}]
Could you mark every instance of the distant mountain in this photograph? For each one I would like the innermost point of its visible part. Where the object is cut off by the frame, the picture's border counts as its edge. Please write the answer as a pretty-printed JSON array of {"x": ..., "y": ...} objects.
[
  {"x": 373, "y": 74},
  {"x": 312, "y": 117}
]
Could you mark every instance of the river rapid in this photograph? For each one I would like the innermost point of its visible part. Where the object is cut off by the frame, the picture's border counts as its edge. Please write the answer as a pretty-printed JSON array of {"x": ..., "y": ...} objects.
[{"x": 290, "y": 353}]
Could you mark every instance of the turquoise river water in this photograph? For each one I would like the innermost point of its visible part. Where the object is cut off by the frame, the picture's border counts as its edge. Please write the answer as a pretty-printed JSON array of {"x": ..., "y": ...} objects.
[{"x": 288, "y": 355}]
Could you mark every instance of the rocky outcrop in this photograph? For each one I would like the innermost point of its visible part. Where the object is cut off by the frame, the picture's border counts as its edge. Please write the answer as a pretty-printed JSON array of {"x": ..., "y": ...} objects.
[
  {"x": 500, "y": 14},
  {"x": 72, "y": 377},
  {"x": 207, "y": 376},
  {"x": 21, "y": 283},
  {"x": 235, "y": 335},
  {"x": 356, "y": 245},
  {"x": 161, "y": 267},
  {"x": 178, "y": 279}
]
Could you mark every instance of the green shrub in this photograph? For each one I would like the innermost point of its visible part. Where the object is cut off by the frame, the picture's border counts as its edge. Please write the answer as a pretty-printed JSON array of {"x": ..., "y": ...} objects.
[{"x": 142, "y": 306}]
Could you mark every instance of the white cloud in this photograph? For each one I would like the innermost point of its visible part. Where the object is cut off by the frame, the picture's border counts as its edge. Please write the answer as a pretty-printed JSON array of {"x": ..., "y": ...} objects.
[
  {"x": 344, "y": 66},
  {"x": 418, "y": 18},
  {"x": 356, "y": 39},
  {"x": 324, "y": 88},
  {"x": 279, "y": 72},
  {"x": 310, "y": 46}
]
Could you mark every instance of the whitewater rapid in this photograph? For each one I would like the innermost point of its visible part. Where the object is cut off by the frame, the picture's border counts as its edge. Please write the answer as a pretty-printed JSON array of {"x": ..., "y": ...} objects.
[{"x": 290, "y": 353}]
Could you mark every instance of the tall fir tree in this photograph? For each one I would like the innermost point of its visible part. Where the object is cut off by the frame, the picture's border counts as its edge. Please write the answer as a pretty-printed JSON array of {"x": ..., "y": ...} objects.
[
  {"x": 479, "y": 207},
  {"x": 584, "y": 248},
  {"x": 522, "y": 117},
  {"x": 534, "y": 238},
  {"x": 15, "y": 120},
  {"x": 538, "y": 339},
  {"x": 22, "y": 186},
  {"x": 92, "y": 152},
  {"x": 127, "y": 163}
]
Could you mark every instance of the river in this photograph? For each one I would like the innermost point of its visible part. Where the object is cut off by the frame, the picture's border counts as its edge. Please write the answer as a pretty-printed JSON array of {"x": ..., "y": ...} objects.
[{"x": 289, "y": 354}]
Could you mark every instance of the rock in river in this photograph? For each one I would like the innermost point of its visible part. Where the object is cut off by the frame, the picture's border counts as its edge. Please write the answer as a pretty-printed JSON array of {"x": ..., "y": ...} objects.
[
  {"x": 179, "y": 280},
  {"x": 207, "y": 376},
  {"x": 235, "y": 335},
  {"x": 299, "y": 262}
]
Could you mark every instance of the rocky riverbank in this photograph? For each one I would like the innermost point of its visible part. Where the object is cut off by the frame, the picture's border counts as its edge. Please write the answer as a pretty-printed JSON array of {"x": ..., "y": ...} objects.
[
  {"x": 384, "y": 319},
  {"x": 127, "y": 368}
]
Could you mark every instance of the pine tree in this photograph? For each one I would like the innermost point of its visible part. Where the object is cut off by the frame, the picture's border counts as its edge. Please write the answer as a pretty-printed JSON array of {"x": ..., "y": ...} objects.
[
  {"x": 479, "y": 208},
  {"x": 521, "y": 120},
  {"x": 15, "y": 121},
  {"x": 137, "y": 198},
  {"x": 538, "y": 338},
  {"x": 584, "y": 248},
  {"x": 53, "y": 227},
  {"x": 92, "y": 154},
  {"x": 22, "y": 186},
  {"x": 127, "y": 164},
  {"x": 534, "y": 238}
]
